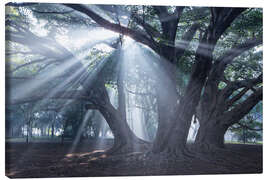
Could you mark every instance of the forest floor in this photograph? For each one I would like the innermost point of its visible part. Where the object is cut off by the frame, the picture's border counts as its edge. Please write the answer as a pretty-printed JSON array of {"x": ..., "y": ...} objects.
[{"x": 46, "y": 159}]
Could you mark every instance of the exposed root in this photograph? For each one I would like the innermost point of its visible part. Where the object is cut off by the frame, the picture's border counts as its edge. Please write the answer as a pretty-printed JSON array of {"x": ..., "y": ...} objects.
[
  {"x": 53, "y": 162},
  {"x": 135, "y": 146}
]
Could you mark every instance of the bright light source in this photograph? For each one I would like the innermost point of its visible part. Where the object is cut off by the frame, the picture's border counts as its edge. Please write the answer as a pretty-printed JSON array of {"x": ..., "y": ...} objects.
[
  {"x": 80, "y": 38},
  {"x": 127, "y": 41},
  {"x": 104, "y": 47}
]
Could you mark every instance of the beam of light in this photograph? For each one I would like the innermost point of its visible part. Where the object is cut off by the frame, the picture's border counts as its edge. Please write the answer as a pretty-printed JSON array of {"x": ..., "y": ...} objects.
[
  {"x": 105, "y": 133},
  {"x": 193, "y": 130},
  {"x": 77, "y": 41},
  {"x": 104, "y": 126},
  {"x": 25, "y": 89},
  {"x": 80, "y": 131},
  {"x": 132, "y": 64},
  {"x": 78, "y": 72},
  {"x": 75, "y": 79},
  {"x": 94, "y": 73},
  {"x": 205, "y": 48},
  {"x": 65, "y": 86},
  {"x": 136, "y": 119},
  {"x": 92, "y": 38},
  {"x": 139, "y": 58}
]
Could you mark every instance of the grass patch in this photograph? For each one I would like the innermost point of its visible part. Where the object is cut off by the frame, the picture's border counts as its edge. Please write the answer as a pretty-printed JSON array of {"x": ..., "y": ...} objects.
[{"x": 249, "y": 143}]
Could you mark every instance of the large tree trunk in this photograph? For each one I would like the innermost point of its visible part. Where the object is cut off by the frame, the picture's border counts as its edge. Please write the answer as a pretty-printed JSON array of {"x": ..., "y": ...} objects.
[
  {"x": 211, "y": 135},
  {"x": 177, "y": 112}
]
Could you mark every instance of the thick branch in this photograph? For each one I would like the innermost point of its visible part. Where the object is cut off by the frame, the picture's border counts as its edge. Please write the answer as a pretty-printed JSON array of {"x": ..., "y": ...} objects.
[
  {"x": 186, "y": 39},
  {"x": 221, "y": 19},
  {"x": 240, "y": 110},
  {"x": 91, "y": 106},
  {"x": 162, "y": 12},
  {"x": 168, "y": 22},
  {"x": 147, "y": 27},
  {"x": 236, "y": 97},
  {"x": 113, "y": 27},
  {"x": 203, "y": 58},
  {"x": 179, "y": 11},
  {"x": 233, "y": 86},
  {"x": 52, "y": 12},
  {"x": 217, "y": 73},
  {"x": 228, "y": 56},
  {"x": 20, "y": 4}
]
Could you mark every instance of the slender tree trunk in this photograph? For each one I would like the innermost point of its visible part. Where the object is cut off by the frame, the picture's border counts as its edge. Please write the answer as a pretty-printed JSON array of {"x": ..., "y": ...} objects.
[
  {"x": 52, "y": 135},
  {"x": 31, "y": 130},
  {"x": 27, "y": 133},
  {"x": 244, "y": 136},
  {"x": 124, "y": 139},
  {"x": 42, "y": 131},
  {"x": 21, "y": 131}
]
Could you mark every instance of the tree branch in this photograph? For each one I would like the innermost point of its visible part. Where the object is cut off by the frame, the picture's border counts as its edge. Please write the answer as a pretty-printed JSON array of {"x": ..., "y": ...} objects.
[
  {"x": 249, "y": 128},
  {"x": 138, "y": 93},
  {"x": 72, "y": 94},
  {"x": 91, "y": 106},
  {"x": 179, "y": 10},
  {"x": 233, "y": 86},
  {"x": 221, "y": 19},
  {"x": 240, "y": 110},
  {"x": 236, "y": 97},
  {"x": 20, "y": 4},
  {"x": 186, "y": 39},
  {"x": 33, "y": 42},
  {"x": 168, "y": 22},
  {"x": 10, "y": 53},
  {"x": 148, "y": 28},
  {"x": 113, "y": 27},
  {"x": 27, "y": 64},
  {"x": 162, "y": 13},
  {"x": 144, "y": 108},
  {"x": 228, "y": 56},
  {"x": 52, "y": 12}
]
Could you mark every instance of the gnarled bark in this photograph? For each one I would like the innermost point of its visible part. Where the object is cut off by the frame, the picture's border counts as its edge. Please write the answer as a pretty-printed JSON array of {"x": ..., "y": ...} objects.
[
  {"x": 124, "y": 139},
  {"x": 211, "y": 135}
]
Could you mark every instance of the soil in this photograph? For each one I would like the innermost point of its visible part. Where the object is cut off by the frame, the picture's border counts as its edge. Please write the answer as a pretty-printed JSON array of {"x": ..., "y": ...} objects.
[{"x": 43, "y": 159}]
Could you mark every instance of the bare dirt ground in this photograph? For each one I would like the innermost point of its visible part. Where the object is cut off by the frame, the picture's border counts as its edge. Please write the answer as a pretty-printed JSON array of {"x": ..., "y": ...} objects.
[{"x": 55, "y": 160}]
